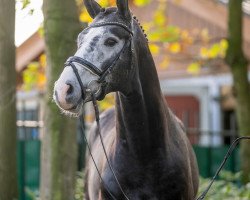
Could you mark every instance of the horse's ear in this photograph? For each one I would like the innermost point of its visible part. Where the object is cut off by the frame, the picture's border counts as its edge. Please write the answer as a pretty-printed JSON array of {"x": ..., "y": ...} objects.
[
  {"x": 92, "y": 7},
  {"x": 123, "y": 9}
]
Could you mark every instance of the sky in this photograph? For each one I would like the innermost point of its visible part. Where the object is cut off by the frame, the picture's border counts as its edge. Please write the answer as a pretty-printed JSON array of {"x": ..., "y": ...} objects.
[{"x": 27, "y": 24}]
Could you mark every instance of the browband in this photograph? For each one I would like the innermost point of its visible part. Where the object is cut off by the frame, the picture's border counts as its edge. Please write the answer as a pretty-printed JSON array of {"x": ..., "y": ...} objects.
[
  {"x": 91, "y": 67},
  {"x": 108, "y": 24}
]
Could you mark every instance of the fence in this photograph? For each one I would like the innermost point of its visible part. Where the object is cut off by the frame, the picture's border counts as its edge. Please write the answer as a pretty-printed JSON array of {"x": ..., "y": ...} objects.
[
  {"x": 210, "y": 149},
  {"x": 28, "y": 145},
  {"x": 28, "y": 154},
  {"x": 209, "y": 156}
]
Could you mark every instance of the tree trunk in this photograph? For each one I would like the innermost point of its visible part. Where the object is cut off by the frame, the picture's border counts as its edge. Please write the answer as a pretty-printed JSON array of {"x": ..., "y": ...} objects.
[
  {"x": 59, "y": 149},
  {"x": 8, "y": 169},
  {"x": 239, "y": 67}
]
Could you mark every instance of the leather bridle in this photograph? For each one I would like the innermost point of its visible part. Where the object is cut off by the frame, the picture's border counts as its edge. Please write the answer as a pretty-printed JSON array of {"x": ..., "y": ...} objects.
[{"x": 102, "y": 74}]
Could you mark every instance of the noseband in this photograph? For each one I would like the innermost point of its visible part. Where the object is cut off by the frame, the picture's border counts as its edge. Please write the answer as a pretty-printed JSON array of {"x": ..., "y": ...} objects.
[
  {"x": 90, "y": 66},
  {"x": 102, "y": 75}
]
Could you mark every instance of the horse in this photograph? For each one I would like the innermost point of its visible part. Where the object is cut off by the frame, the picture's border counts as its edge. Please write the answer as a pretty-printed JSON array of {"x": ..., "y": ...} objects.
[{"x": 145, "y": 142}]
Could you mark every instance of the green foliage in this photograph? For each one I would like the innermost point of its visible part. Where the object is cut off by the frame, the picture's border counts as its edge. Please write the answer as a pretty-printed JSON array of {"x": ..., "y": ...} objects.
[
  {"x": 215, "y": 50},
  {"x": 226, "y": 188},
  {"x": 29, "y": 76},
  {"x": 107, "y": 103},
  {"x": 164, "y": 34},
  {"x": 34, "y": 75},
  {"x": 141, "y": 2},
  {"x": 25, "y": 3},
  {"x": 79, "y": 190},
  {"x": 33, "y": 195},
  {"x": 194, "y": 68}
]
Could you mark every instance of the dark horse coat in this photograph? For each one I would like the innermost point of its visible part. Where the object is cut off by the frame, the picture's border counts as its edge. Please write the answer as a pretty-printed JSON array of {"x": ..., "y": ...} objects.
[{"x": 146, "y": 144}]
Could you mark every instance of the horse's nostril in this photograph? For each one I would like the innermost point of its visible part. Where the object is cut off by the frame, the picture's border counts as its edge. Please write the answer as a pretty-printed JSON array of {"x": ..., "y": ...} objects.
[{"x": 70, "y": 89}]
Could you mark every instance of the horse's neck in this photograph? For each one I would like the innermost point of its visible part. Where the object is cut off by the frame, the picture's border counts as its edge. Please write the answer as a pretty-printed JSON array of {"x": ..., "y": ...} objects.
[{"x": 141, "y": 114}]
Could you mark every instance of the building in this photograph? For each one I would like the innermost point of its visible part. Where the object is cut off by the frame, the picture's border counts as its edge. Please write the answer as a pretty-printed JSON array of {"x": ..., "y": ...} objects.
[{"x": 205, "y": 103}]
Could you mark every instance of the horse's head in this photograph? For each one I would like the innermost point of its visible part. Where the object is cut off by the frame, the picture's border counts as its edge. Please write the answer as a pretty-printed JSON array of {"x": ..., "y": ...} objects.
[{"x": 102, "y": 62}]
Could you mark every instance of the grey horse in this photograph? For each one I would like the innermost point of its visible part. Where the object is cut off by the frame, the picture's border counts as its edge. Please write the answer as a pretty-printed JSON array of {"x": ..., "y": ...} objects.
[{"x": 146, "y": 144}]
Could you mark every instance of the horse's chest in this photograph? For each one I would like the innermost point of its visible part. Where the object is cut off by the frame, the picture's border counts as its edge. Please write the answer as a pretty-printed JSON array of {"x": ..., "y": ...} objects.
[{"x": 152, "y": 181}]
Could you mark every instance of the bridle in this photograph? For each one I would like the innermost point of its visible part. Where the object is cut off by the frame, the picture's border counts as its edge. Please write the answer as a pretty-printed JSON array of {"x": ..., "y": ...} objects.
[{"x": 102, "y": 74}]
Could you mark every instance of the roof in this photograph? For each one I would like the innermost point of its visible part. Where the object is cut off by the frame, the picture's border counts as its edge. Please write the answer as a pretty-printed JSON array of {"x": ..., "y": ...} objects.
[
  {"x": 191, "y": 15},
  {"x": 29, "y": 50},
  {"x": 188, "y": 14}
]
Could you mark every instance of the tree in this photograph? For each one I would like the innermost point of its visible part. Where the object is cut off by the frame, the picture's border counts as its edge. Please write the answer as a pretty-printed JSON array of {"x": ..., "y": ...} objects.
[
  {"x": 239, "y": 68},
  {"x": 61, "y": 26},
  {"x": 8, "y": 170}
]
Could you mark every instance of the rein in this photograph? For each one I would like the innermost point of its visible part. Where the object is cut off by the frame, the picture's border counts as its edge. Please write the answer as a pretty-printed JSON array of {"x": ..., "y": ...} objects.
[{"x": 102, "y": 75}]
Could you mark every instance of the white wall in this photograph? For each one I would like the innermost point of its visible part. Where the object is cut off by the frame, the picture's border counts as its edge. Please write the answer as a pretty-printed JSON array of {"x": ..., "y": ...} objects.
[{"x": 207, "y": 90}]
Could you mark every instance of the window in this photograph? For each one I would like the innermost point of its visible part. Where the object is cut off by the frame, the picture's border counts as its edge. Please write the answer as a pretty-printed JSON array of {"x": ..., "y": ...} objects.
[{"x": 28, "y": 125}]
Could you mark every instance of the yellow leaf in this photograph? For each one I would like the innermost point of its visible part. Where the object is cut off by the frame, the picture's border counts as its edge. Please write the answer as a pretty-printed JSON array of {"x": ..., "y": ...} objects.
[
  {"x": 223, "y": 47},
  {"x": 204, "y": 53},
  {"x": 154, "y": 48},
  {"x": 147, "y": 26},
  {"x": 185, "y": 37},
  {"x": 141, "y": 3},
  {"x": 104, "y": 3},
  {"x": 112, "y": 2},
  {"x": 164, "y": 64},
  {"x": 160, "y": 15},
  {"x": 42, "y": 60},
  {"x": 41, "y": 31},
  {"x": 175, "y": 47},
  {"x": 184, "y": 34},
  {"x": 214, "y": 51},
  {"x": 30, "y": 76},
  {"x": 108, "y": 102},
  {"x": 41, "y": 80},
  {"x": 154, "y": 37},
  {"x": 33, "y": 66},
  {"x": 194, "y": 68},
  {"x": 85, "y": 17},
  {"x": 159, "y": 18},
  {"x": 205, "y": 35},
  {"x": 224, "y": 44}
]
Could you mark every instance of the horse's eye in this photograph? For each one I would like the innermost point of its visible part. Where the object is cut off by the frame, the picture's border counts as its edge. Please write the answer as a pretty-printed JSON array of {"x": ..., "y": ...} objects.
[{"x": 110, "y": 42}]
